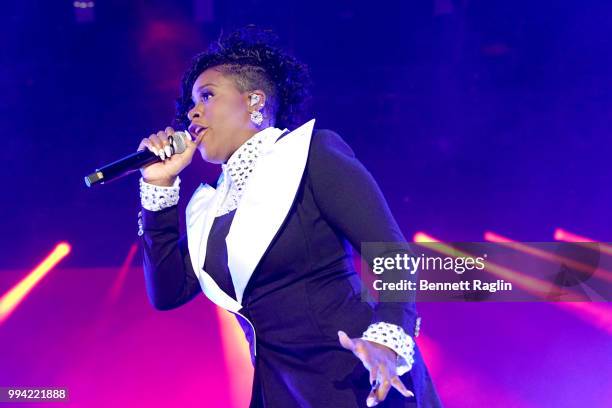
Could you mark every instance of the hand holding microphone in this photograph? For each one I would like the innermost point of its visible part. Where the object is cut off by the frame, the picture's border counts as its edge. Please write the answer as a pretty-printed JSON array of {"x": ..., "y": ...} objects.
[
  {"x": 160, "y": 158},
  {"x": 164, "y": 172}
]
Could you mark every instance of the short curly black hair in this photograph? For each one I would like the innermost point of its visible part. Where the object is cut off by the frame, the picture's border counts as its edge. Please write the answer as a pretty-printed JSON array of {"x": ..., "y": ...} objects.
[{"x": 250, "y": 57}]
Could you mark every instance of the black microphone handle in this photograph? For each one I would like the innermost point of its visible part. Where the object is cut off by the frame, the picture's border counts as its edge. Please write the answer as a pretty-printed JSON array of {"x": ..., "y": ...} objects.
[
  {"x": 133, "y": 162},
  {"x": 121, "y": 167}
]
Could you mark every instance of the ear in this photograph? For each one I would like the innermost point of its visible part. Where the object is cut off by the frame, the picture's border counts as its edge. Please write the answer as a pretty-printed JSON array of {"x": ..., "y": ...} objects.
[{"x": 256, "y": 100}]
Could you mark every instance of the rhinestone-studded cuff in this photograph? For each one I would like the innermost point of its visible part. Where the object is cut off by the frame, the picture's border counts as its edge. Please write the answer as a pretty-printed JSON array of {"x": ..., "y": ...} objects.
[
  {"x": 140, "y": 226},
  {"x": 155, "y": 198},
  {"x": 396, "y": 339}
]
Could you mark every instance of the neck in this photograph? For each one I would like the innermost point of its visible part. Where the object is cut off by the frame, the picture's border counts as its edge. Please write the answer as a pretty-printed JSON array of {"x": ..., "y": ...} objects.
[{"x": 244, "y": 136}]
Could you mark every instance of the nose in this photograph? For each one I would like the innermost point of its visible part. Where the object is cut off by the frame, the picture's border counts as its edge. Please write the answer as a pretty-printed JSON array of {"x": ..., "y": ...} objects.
[{"x": 195, "y": 112}]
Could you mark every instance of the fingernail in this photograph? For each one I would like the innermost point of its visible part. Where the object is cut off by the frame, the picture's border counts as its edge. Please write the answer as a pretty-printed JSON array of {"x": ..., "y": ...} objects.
[
  {"x": 168, "y": 151},
  {"x": 162, "y": 155},
  {"x": 371, "y": 402}
]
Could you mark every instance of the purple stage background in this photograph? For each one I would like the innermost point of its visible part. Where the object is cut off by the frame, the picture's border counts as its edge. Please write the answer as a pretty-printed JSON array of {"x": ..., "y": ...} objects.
[{"x": 473, "y": 115}]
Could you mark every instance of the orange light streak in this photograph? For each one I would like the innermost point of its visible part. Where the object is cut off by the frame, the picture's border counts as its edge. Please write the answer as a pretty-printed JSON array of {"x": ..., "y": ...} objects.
[
  {"x": 423, "y": 237},
  {"x": 237, "y": 358},
  {"x": 563, "y": 235},
  {"x": 599, "y": 315},
  {"x": 599, "y": 273},
  {"x": 11, "y": 299},
  {"x": 115, "y": 290},
  {"x": 532, "y": 285}
]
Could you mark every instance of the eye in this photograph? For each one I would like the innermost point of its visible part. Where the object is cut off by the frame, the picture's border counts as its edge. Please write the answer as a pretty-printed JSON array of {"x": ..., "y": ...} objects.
[{"x": 205, "y": 96}]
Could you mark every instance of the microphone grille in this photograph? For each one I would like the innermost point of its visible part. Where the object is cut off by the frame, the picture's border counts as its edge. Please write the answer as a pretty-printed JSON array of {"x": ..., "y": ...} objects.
[{"x": 179, "y": 141}]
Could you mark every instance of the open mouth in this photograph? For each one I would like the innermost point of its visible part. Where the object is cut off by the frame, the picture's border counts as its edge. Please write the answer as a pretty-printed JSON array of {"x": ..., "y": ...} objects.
[{"x": 197, "y": 130}]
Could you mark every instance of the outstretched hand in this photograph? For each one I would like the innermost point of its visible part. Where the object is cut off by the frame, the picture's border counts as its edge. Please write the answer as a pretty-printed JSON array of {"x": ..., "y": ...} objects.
[{"x": 381, "y": 362}]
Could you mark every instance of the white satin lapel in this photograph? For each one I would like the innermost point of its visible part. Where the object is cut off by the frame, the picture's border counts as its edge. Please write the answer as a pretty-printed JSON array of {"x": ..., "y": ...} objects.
[
  {"x": 198, "y": 224},
  {"x": 200, "y": 215},
  {"x": 266, "y": 203}
]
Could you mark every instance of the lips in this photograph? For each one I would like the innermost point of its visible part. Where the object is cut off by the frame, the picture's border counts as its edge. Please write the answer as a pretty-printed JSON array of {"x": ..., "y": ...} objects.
[{"x": 196, "y": 129}]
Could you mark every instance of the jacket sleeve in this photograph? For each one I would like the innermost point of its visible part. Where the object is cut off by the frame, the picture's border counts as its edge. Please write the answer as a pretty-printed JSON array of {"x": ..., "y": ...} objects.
[
  {"x": 169, "y": 276},
  {"x": 351, "y": 201}
]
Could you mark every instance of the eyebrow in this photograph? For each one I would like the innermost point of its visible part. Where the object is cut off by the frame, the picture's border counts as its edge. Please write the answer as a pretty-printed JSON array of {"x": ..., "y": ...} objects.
[{"x": 199, "y": 88}]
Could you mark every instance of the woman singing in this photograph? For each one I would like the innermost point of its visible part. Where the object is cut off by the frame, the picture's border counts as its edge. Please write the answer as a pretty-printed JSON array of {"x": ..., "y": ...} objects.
[{"x": 270, "y": 243}]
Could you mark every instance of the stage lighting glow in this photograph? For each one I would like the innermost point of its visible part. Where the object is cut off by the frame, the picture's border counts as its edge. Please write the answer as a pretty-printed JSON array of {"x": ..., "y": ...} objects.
[
  {"x": 10, "y": 300},
  {"x": 572, "y": 263},
  {"x": 115, "y": 290},
  {"x": 237, "y": 358},
  {"x": 596, "y": 314},
  {"x": 423, "y": 237},
  {"x": 536, "y": 287},
  {"x": 599, "y": 315},
  {"x": 563, "y": 235},
  {"x": 83, "y": 4}
]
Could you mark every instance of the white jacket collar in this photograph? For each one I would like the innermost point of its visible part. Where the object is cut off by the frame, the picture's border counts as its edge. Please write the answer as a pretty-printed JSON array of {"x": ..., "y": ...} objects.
[
  {"x": 265, "y": 203},
  {"x": 238, "y": 169}
]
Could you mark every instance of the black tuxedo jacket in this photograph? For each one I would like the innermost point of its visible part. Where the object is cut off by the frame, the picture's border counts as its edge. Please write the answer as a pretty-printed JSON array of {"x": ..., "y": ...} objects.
[{"x": 297, "y": 284}]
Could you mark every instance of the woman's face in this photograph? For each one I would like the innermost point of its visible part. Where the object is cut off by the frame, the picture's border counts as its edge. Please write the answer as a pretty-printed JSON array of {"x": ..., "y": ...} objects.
[{"x": 222, "y": 112}]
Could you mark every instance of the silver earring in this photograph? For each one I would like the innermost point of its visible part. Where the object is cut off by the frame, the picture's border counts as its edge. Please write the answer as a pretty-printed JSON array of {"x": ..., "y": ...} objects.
[
  {"x": 254, "y": 99},
  {"x": 257, "y": 118}
]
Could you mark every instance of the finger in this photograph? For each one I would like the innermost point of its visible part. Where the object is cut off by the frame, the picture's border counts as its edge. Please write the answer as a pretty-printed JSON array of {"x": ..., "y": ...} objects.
[
  {"x": 199, "y": 138},
  {"x": 169, "y": 147},
  {"x": 191, "y": 141},
  {"x": 373, "y": 375},
  {"x": 361, "y": 351},
  {"x": 385, "y": 383},
  {"x": 399, "y": 385},
  {"x": 156, "y": 142},
  {"x": 168, "y": 151},
  {"x": 346, "y": 341},
  {"x": 357, "y": 346},
  {"x": 159, "y": 144},
  {"x": 146, "y": 144},
  {"x": 195, "y": 140},
  {"x": 376, "y": 381},
  {"x": 383, "y": 390},
  {"x": 372, "y": 401},
  {"x": 163, "y": 137}
]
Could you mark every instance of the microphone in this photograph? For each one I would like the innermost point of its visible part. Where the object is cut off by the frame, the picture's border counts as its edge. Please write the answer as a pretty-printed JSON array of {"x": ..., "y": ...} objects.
[{"x": 134, "y": 161}]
